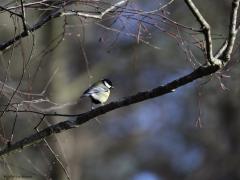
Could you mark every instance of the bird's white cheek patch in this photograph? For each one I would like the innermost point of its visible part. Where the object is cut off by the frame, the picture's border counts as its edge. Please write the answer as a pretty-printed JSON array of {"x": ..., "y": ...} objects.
[{"x": 107, "y": 85}]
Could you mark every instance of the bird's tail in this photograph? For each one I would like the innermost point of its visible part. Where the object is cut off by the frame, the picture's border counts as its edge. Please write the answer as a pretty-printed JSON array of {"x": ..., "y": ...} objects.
[{"x": 81, "y": 97}]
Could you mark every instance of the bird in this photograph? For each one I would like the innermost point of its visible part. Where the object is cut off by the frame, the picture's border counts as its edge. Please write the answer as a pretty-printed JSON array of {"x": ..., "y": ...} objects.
[{"x": 99, "y": 92}]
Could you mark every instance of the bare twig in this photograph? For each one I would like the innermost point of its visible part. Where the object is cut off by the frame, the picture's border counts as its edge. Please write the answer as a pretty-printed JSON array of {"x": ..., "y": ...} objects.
[
  {"x": 21, "y": 78},
  {"x": 205, "y": 29},
  {"x": 159, "y": 9},
  {"x": 11, "y": 12},
  {"x": 96, "y": 16},
  {"x": 56, "y": 156},
  {"x": 24, "y": 18},
  {"x": 38, "y": 25},
  {"x": 130, "y": 35},
  {"x": 225, "y": 51},
  {"x": 14, "y": 124},
  {"x": 221, "y": 50},
  {"x": 56, "y": 14},
  {"x": 206, "y": 32},
  {"x": 232, "y": 31}
]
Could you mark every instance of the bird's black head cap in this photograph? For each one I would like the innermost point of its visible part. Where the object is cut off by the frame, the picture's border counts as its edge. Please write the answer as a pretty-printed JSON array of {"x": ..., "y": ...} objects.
[{"x": 107, "y": 83}]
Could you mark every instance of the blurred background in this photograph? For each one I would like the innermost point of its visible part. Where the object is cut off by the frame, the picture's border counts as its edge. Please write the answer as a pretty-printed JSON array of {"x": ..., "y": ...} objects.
[{"x": 192, "y": 133}]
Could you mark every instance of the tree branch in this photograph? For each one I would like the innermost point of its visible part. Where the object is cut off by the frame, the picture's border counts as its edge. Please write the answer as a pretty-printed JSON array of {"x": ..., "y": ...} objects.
[
  {"x": 55, "y": 14},
  {"x": 232, "y": 31},
  {"x": 38, "y": 25},
  {"x": 84, "y": 117},
  {"x": 24, "y": 18},
  {"x": 206, "y": 32},
  {"x": 225, "y": 51},
  {"x": 11, "y": 12},
  {"x": 222, "y": 49},
  {"x": 95, "y": 16},
  {"x": 205, "y": 28}
]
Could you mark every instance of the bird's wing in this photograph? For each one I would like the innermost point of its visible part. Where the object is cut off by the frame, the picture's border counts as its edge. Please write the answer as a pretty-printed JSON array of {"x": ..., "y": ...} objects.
[{"x": 95, "y": 90}]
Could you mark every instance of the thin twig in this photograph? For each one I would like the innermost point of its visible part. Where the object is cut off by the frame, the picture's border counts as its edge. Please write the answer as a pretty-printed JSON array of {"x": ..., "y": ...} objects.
[
  {"x": 56, "y": 14},
  {"x": 24, "y": 18},
  {"x": 56, "y": 156},
  {"x": 21, "y": 78},
  {"x": 95, "y": 16},
  {"x": 232, "y": 31},
  {"x": 14, "y": 124},
  {"x": 205, "y": 29},
  {"x": 11, "y": 12}
]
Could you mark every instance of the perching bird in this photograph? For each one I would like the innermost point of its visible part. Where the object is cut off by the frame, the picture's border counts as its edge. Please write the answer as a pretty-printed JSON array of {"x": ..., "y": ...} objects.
[{"x": 99, "y": 91}]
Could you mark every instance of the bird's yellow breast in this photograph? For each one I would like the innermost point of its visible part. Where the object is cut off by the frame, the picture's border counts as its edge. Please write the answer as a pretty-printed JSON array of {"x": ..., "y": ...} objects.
[{"x": 101, "y": 96}]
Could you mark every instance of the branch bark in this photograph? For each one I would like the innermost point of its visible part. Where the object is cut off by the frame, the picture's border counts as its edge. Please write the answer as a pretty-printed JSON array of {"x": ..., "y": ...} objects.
[
  {"x": 55, "y": 14},
  {"x": 96, "y": 16},
  {"x": 232, "y": 30},
  {"x": 24, "y": 18},
  {"x": 84, "y": 117},
  {"x": 205, "y": 29},
  {"x": 224, "y": 53}
]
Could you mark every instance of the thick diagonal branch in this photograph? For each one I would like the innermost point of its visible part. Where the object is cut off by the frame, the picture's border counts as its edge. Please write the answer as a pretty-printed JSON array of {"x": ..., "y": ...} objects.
[{"x": 82, "y": 118}]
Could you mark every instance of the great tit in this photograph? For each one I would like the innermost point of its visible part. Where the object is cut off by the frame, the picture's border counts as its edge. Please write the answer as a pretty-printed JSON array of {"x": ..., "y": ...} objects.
[{"x": 99, "y": 91}]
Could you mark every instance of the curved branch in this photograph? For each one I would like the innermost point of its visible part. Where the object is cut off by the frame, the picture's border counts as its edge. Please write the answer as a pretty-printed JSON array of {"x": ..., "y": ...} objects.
[
  {"x": 55, "y": 14},
  {"x": 84, "y": 117},
  {"x": 25, "y": 33}
]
